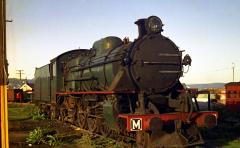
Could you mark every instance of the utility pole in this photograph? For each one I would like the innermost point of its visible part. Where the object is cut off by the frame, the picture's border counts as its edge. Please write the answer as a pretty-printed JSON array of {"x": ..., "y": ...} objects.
[
  {"x": 3, "y": 77},
  {"x": 233, "y": 70},
  {"x": 20, "y": 72}
]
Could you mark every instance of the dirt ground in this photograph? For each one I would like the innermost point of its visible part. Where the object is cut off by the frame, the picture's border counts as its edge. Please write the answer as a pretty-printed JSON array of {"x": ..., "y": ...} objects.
[
  {"x": 19, "y": 130},
  {"x": 67, "y": 136},
  {"x": 226, "y": 134}
]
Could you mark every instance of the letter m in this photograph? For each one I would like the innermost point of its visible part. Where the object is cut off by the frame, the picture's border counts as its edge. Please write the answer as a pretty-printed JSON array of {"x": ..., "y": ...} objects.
[{"x": 136, "y": 124}]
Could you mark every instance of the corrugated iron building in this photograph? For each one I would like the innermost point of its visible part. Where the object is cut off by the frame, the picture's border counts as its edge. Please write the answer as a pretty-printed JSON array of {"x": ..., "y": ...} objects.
[{"x": 233, "y": 95}]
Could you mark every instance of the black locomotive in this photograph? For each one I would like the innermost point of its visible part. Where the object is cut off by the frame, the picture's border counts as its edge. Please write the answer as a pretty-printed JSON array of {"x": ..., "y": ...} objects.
[{"x": 125, "y": 89}]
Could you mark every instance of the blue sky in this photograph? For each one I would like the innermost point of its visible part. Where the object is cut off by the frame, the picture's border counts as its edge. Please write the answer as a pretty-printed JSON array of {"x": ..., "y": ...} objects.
[{"x": 208, "y": 30}]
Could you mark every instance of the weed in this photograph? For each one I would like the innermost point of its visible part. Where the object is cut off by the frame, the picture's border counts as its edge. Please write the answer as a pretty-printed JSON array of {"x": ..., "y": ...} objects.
[
  {"x": 37, "y": 115},
  {"x": 99, "y": 142},
  {"x": 39, "y": 136},
  {"x": 52, "y": 140},
  {"x": 85, "y": 141},
  {"x": 36, "y": 136}
]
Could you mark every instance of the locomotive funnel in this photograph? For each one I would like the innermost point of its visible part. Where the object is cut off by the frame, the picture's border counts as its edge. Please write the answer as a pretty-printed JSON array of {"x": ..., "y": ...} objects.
[{"x": 151, "y": 25}]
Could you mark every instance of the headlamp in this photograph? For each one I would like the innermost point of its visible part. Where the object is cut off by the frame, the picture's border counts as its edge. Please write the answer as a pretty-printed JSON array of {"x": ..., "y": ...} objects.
[{"x": 154, "y": 24}]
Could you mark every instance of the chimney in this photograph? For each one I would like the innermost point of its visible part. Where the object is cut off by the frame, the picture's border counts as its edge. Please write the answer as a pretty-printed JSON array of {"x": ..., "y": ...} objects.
[{"x": 141, "y": 27}]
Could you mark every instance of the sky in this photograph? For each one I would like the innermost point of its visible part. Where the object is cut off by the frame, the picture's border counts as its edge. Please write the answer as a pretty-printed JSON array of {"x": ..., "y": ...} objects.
[{"x": 208, "y": 30}]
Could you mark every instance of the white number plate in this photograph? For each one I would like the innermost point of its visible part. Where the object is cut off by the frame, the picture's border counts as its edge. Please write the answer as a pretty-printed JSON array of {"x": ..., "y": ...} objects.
[{"x": 136, "y": 124}]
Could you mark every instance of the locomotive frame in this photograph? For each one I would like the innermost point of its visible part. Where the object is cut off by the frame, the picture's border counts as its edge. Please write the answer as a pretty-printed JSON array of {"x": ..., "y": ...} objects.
[{"x": 78, "y": 87}]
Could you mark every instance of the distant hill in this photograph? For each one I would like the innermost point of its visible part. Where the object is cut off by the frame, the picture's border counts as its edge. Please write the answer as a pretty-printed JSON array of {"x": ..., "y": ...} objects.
[{"x": 208, "y": 85}]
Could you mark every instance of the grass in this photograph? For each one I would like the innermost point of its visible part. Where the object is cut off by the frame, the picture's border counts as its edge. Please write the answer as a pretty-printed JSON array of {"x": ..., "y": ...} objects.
[
  {"x": 226, "y": 134},
  {"x": 18, "y": 111},
  {"x": 89, "y": 141},
  {"x": 43, "y": 134},
  {"x": 233, "y": 144}
]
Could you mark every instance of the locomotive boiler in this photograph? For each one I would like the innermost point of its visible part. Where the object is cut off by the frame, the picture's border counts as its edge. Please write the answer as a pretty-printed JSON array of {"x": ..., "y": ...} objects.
[
  {"x": 113, "y": 64},
  {"x": 125, "y": 89}
]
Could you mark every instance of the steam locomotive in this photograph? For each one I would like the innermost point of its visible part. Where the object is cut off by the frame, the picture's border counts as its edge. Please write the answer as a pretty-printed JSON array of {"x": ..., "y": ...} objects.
[{"x": 123, "y": 89}]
